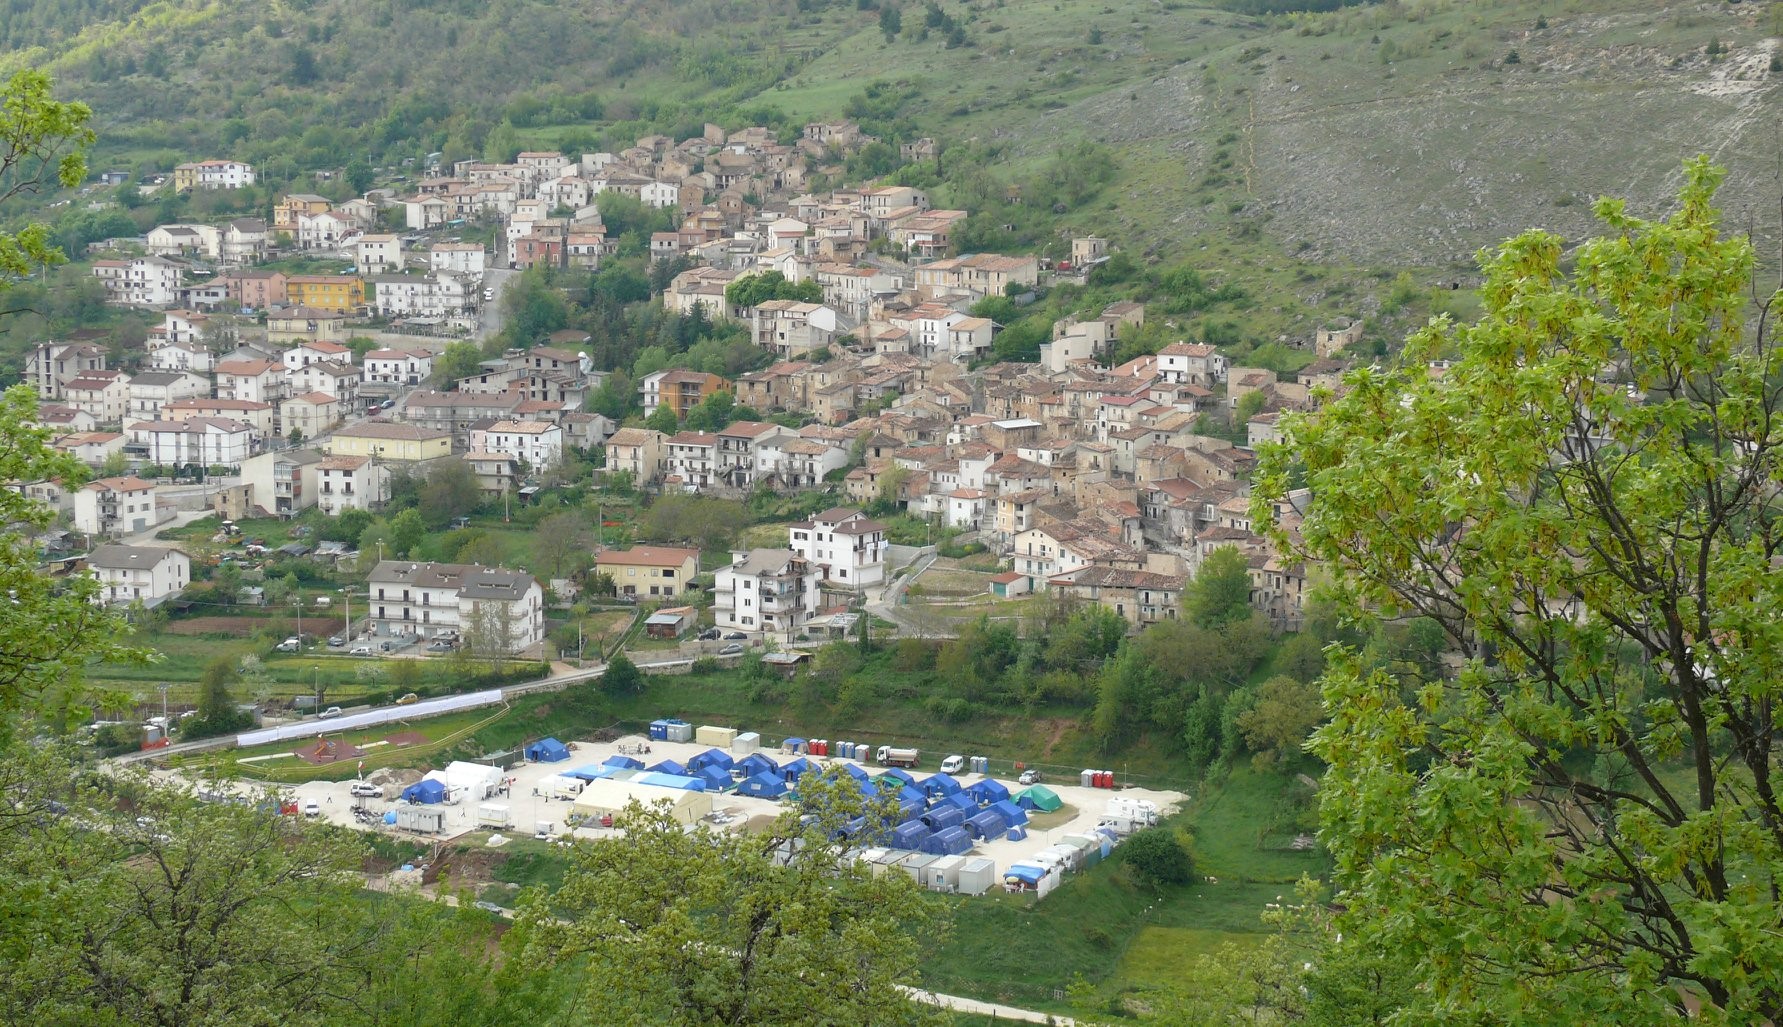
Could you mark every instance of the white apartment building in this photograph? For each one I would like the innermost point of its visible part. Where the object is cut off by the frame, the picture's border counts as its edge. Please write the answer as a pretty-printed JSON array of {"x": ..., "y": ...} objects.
[
  {"x": 465, "y": 258},
  {"x": 207, "y": 441},
  {"x": 351, "y": 483},
  {"x": 537, "y": 443},
  {"x": 138, "y": 574},
  {"x": 142, "y": 282},
  {"x": 152, "y": 391},
  {"x": 114, "y": 506},
  {"x": 378, "y": 253},
  {"x": 53, "y": 365},
  {"x": 397, "y": 367},
  {"x": 773, "y": 591},
  {"x": 847, "y": 546},
  {"x": 483, "y": 606}
]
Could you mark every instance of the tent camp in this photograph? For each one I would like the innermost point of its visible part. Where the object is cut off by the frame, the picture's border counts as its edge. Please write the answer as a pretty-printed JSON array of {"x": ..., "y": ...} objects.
[
  {"x": 1012, "y": 814},
  {"x": 988, "y": 791},
  {"x": 901, "y": 776},
  {"x": 428, "y": 791},
  {"x": 711, "y": 758},
  {"x": 960, "y": 800},
  {"x": 753, "y": 764},
  {"x": 908, "y": 836},
  {"x": 951, "y": 842},
  {"x": 763, "y": 786},
  {"x": 987, "y": 824},
  {"x": 623, "y": 761},
  {"x": 478, "y": 780},
  {"x": 547, "y": 750},
  {"x": 670, "y": 767},
  {"x": 939, "y": 784},
  {"x": 1039, "y": 797},
  {"x": 942, "y": 817},
  {"x": 604, "y": 798}
]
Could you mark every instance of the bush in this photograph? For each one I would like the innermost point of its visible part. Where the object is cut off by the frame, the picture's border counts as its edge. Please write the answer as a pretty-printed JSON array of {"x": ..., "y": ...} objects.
[
  {"x": 706, "y": 665},
  {"x": 1158, "y": 858}
]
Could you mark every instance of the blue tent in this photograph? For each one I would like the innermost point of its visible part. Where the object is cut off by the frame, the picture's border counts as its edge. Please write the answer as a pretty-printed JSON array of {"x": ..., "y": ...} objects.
[
  {"x": 964, "y": 803},
  {"x": 428, "y": 791},
  {"x": 1013, "y": 814},
  {"x": 1025, "y": 873},
  {"x": 988, "y": 791},
  {"x": 670, "y": 767},
  {"x": 908, "y": 836},
  {"x": 689, "y": 784},
  {"x": 896, "y": 774},
  {"x": 763, "y": 786},
  {"x": 987, "y": 824},
  {"x": 796, "y": 769},
  {"x": 591, "y": 772},
  {"x": 711, "y": 758},
  {"x": 939, "y": 784},
  {"x": 910, "y": 793},
  {"x": 849, "y": 830},
  {"x": 942, "y": 817},
  {"x": 547, "y": 750},
  {"x": 623, "y": 762},
  {"x": 755, "y": 763},
  {"x": 950, "y": 842},
  {"x": 854, "y": 770},
  {"x": 908, "y": 811},
  {"x": 792, "y": 745},
  {"x": 717, "y": 778}
]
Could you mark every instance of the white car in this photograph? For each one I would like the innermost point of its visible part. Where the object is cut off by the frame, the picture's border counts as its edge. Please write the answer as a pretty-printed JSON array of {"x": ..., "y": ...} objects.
[
  {"x": 953, "y": 764},
  {"x": 312, "y": 808},
  {"x": 362, "y": 649},
  {"x": 289, "y": 645},
  {"x": 329, "y": 713},
  {"x": 366, "y": 790}
]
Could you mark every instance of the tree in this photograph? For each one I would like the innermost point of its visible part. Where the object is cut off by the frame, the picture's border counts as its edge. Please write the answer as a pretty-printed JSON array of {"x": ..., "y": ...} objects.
[
  {"x": 678, "y": 927},
  {"x": 217, "y": 714},
  {"x": 663, "y": 419},
  {"x": 1220, "y": 592},
  {"x": 622, "y": 677},
  {"x": 1584, "y": 822},
  {"x": 451, "y": 491},
  {"x": 1283, "y": 712},
  {"x": 560, "y": 540},
  {"x": 891, "y": 21},
  {"x": 43, "y": 143},
  {"x": 359, "y": 176},
  {"x": 753, "y": 290},
  {"x": 458, "y": 360},
  {"x": 406, "y": 532},
  {"x": 1158, "y": 857}
]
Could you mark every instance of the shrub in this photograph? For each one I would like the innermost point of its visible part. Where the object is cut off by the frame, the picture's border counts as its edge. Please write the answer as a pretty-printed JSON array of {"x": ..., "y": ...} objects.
[{"x": 1158, "y": 857}]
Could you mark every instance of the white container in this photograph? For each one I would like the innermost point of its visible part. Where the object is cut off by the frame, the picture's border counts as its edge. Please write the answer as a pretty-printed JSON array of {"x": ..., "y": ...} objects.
[
  {"x": 976, "y": 876},
  {"x": 717, "y": 737},
  {"x": 944, "y": 874},
  {"x": 745, "y": 743},
  {"x": 493, "y": 814}
]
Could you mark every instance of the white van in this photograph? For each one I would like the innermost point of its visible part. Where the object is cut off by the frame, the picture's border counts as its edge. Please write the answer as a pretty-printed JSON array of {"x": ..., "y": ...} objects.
[{"x": 953, "y": 764}]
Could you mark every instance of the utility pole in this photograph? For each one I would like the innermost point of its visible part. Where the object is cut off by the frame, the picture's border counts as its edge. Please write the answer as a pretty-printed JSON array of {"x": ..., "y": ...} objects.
[
  {"x": 164, "y": 687},
  {"x": 348, "y": 632},
  {"x": 297, "y": 601}
]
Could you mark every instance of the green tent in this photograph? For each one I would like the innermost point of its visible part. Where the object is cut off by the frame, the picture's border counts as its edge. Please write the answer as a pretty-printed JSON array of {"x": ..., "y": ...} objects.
[{"x": 1039, "y": 797}]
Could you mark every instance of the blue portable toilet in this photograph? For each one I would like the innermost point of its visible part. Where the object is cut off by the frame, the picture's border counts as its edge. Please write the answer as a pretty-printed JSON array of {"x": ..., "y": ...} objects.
[
  {"x": 943, "y": 817},
  {"x": 659, "y": 731},
  {"x": 951, "y": 842},
  {"x": 670, "y": 767},
  {"x": 390, "y": 816},
  {"x": 428, "y": 791},
  {"x": 988, "y": 791},
  {"x": 939, "y": 784},
  {"x": 908, "y": 836},
  {"x": 623, "y": 763},
  {"x": 547, "y": 750},
  {"x": 763, "y": 786},
  {"x": 987, "y": 824},
  {"x": 1014, "y": 814}
]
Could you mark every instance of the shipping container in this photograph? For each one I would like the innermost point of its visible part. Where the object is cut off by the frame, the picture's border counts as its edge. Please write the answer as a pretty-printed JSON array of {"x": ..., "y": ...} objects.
[
  {"x": 746, "y": 743},
  {"x": 944, "y": 874},
  {"x": 977, "y": 875},
  {"x": 720, "y": 737},
  {"x": 680, "y": 731},
  {"x": 421, "y": 819},
  {"x": 916, "y": 865},
  {"x": 491, "y": 814}
]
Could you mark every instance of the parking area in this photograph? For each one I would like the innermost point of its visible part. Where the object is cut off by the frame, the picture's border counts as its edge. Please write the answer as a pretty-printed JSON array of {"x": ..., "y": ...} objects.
[{"x": 1083, "y": 808}]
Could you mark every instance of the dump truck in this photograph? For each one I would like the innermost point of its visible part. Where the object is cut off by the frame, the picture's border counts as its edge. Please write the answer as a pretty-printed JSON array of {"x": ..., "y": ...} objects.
[{"x": 894, "y": 757}]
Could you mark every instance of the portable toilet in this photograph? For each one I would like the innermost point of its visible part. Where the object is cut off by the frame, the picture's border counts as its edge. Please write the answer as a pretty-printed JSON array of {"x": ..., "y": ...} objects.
[
  {"x": 847, "y": 749},
  {"x": 944, "y": 874},
  {"x": 977, "y": 875},
  {"x": 1088, "y": 778},
  {"x": 659, "y": 731}
]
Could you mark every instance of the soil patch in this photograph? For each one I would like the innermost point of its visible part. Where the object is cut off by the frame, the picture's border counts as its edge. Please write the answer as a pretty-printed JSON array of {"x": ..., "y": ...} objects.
[
  {"x": 404, "y": 739},
  {"x": 327, "y": 750},
  {"x": 240, "y": 627}
]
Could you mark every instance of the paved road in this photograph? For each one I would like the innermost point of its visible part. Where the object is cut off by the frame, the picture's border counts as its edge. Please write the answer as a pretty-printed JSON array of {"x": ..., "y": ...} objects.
[
  {"x": 886, "y": 604},
  {"x": 489, "y": 317}
]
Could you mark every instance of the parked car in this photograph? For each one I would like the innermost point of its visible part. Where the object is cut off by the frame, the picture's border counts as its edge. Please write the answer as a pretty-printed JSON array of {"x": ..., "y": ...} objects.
[
  {"x": 1029, "y": 777},
  {"x": 336, "y": 641},
  {"x": 439, "y": 645},
  {"x": 289, "y": 645},
  {"x": 366, "y": 790},
  {"x": 736, "y": 636},
  {"x": 312, "y": 808},
  {"x": 408, "y": 699},
  {"x": 709, "y": 635},
  {"x": 730, "y": 650},
  {"x": 329, "y": 713},
  {"x": 362, "y": 649},
  {"x": 490, "y": 907}
]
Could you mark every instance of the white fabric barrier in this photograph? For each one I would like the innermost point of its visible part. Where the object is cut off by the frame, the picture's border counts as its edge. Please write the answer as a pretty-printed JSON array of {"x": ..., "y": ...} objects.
[{"x": 382, "y": 715}]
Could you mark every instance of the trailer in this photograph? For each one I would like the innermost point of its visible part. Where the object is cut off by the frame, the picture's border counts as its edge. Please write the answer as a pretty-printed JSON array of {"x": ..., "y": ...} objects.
[
  {"x": 891, "y": 756},
  {"x": 494, "y": 814},
  {"x": 420, "y": 819},
  {"x": 977, "y": 875},
  {"x": 717, "y": 737},
  {"x": 944, "y": 874}
]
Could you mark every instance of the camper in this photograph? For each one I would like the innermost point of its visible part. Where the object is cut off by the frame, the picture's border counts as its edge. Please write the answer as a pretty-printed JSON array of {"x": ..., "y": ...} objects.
[{"x": 893, "y": 757}]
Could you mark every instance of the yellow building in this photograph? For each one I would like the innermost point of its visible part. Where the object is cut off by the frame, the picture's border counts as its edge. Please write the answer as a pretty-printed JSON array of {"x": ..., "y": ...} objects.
[
  {"x": 341, "y": 294},
  {"x": 390, "y": 442},
  {"x": 650, "y": 570}
]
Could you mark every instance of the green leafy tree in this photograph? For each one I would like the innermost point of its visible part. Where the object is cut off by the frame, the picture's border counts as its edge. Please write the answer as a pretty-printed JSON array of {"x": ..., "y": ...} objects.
[
  {"x": 1220, "y": 592},
  {"x": 672, "y": 927},
  {"x": 451, "y": 491},
  {"x": 43, "y": 144},
  {"x": 751, "y": 290},
  {"x": 1281, "y": 715},
  {"x": 1583, "y": 824},
  {"x": 359, "y": 176},
  {"x": 622, "y": 677},
  {"x": 1157, "y": 857},
  {"x": 663, "y": 419},
  {"x": 458, "y": 360},
  {"x": 406, "y": 532}
]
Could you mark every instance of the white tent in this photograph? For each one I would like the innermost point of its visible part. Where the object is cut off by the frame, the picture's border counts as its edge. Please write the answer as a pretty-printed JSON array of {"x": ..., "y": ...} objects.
[
  {"x": 603, "y": 796},
  {"x": 478, "y": 781}
]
